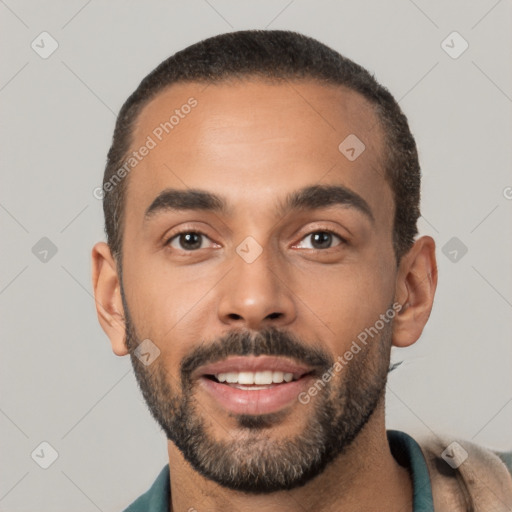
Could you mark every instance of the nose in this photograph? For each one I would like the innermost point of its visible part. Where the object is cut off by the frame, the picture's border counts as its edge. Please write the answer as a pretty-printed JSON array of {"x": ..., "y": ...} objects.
[{"x": 254, "y": 295}]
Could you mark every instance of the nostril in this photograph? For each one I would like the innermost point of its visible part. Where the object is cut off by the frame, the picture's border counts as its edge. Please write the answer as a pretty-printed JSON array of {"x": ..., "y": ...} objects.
[{"x": 274, "y": 315}]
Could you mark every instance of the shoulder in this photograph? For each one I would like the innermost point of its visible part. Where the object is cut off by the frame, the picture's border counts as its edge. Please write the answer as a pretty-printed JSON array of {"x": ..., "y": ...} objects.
[
  {"x": 455, "y": 452},
  {"x": 467, "y": 474}
]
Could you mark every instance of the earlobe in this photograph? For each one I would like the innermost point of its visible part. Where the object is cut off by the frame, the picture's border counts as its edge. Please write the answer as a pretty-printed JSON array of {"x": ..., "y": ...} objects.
[
  {"x": 107, "y": 296},
  {"x": 415, "y": 289}
]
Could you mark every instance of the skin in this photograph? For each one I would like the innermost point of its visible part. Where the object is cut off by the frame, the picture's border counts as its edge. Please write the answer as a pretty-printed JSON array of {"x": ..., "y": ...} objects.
[{"x": 253, "y": 143}]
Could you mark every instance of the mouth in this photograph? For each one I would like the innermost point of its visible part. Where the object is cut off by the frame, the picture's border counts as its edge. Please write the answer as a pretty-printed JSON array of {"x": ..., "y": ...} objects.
[
  {"x": 253, "y": 380},
  {"x": 254, "y": 384}
]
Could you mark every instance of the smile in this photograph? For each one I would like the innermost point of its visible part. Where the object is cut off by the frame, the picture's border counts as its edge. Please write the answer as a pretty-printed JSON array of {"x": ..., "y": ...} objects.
[
  {"x": 254, "y": 385},
  {"x": 262, "y": 378}
]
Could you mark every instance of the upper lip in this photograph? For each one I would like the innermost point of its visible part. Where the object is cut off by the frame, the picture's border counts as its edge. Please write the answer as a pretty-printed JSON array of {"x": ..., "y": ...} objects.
[{"x": 253, "y": 364}]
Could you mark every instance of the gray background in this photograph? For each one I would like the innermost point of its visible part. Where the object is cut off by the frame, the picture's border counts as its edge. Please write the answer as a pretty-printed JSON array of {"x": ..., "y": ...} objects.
[{"x": 60, "y": 381}]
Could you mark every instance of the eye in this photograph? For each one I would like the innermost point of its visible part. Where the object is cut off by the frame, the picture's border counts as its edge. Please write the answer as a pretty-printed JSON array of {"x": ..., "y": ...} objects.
[
  {"x": 321, "y": 240},
  {"x": 188, "y": 241}
]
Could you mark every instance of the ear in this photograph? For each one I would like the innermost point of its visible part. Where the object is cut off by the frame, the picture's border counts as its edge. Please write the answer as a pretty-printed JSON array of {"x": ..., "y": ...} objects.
[
  {"x": 107, "y": 295},
  {"x": 415, "y": 289}
]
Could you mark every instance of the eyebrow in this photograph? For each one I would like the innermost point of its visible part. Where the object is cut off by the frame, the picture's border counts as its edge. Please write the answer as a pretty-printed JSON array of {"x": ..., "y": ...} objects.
[
  {"x": 323, "y": 196},
  {"x": 307, "y": 198}
]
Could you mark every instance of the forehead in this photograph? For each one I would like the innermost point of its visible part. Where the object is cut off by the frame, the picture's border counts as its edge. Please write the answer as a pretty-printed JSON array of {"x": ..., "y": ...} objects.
[{"x": 252, "y": 141}]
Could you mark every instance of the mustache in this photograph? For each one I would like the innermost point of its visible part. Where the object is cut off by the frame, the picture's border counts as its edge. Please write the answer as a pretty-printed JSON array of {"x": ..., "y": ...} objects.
[{"x": 269, "y": 341}]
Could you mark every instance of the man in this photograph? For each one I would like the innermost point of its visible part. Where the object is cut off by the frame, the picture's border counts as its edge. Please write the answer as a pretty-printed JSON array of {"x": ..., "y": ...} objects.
[{"x": 261, "y": 197}]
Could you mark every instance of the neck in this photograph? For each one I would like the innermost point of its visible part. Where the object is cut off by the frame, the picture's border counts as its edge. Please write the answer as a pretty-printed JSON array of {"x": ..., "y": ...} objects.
[{"x": 364, "y": 477}]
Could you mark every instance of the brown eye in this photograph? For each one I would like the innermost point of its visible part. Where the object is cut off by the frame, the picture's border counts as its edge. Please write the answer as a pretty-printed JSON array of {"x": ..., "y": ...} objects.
[
  {"x": 321, "y": 240},
  {"x": 187, "y": 241}
]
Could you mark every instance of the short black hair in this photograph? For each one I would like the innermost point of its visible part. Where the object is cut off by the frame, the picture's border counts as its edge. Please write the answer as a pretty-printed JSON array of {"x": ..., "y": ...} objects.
[{"x": 273, "y": 55}]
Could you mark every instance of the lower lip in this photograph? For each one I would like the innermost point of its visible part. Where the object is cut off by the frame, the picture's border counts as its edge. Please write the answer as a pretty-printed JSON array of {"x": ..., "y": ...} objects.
[{"x": 258, "y": 401}]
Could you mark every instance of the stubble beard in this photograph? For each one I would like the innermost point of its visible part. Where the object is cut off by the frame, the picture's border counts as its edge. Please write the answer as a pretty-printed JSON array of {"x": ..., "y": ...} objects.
[{"x": 252, "y": 460}]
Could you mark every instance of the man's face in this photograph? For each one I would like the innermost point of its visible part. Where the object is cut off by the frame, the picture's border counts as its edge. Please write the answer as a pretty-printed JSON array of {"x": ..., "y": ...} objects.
[{"x": 276, "y": 285}]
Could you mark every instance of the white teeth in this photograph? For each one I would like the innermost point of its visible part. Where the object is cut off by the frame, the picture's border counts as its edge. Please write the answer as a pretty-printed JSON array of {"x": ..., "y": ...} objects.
[
  {"x": 231, "y": 377},
  {"x": 263, "y": 378},
  {"x": 266, "y": 377},
  {"x": 246, "y": 378},
  {"x": 277, "y": 377}
]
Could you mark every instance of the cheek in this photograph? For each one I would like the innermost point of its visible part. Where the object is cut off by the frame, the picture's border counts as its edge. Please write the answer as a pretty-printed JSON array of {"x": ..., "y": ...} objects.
[
  {"x": 159, "y": 293},
  {"x": 169, "y": 305},
  {"x": 347, "y": 299}
]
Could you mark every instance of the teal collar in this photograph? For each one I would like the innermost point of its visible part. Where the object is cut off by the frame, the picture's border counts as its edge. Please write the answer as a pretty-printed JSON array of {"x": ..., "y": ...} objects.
[{"x": 407, "y": 453}]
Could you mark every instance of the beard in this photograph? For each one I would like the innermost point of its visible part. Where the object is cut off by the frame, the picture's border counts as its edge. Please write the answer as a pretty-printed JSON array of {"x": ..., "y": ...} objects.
[{"x": 254, "y": 461}]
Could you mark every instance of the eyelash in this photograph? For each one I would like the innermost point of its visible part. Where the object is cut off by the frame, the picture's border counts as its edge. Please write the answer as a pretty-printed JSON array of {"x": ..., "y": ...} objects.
[
  {"x": 343, "y": 241},
  {"x": 185, "y": 232}
]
